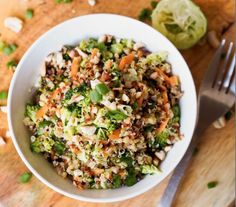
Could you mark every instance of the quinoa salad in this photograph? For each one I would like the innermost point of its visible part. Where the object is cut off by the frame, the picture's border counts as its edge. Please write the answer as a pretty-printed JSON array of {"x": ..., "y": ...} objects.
[{"x": 105, "y": 112}]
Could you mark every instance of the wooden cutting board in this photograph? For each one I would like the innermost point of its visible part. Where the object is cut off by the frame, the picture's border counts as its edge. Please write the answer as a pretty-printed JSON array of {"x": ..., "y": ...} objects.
[{"x": 215, "y": 159}]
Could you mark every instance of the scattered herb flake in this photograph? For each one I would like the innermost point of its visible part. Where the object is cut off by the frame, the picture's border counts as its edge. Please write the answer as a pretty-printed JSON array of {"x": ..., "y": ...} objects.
[
  {"x": 11, "y": 64},
  {"x": 3, "y": 95},
  {"x": 29, "y": 13},
  {"x": 95, "y": 96},
  {"x": 212, "y": 184},
  {"x": 9, "y": 49},
  {"x": 102, "y": 88},
  {"x": 63, "y": 1},
  {"x": 25, "y": 177},
  {"x": 2, "y": 45}
]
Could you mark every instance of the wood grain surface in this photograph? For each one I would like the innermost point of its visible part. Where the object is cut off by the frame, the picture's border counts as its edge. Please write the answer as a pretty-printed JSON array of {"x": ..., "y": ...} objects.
[{"x": 215, "y": 159}]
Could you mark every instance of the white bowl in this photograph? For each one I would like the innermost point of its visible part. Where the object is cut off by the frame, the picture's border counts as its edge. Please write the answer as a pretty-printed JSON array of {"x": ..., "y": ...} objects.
[{"x": 70, "y": 32}]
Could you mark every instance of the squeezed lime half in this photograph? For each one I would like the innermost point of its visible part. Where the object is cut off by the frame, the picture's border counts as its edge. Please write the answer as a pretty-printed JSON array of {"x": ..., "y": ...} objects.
[{"x": 181, "y": 21}]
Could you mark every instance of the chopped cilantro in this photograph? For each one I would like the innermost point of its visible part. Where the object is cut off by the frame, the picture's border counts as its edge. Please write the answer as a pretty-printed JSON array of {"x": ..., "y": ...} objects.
[
  {"x": 25, "y": 177},
  {"x": 212, "y": 184}
]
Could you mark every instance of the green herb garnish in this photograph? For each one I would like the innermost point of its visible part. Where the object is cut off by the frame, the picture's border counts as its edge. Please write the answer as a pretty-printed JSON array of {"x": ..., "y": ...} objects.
[
  {"x": 102, "y": 88},
  {"x": 29, "y": 13},
  {"x": 116, "y": 115},
  {"x": 66, "y": 57},
  {"x": 2, "y": 45},
  {"x": 3, "y": 95},
  {"x": 95, "y": 96},
  {"x": 25, "y": 177},
  {"x": 35, "y": 146},
  {"x": 116, "y": 181},
  {"x": 161, "y": 138},
  {"x": 9, "y": 49},
  {"x": 212, "y": 184},
  {"x": 131, "y": 177},
  {"x": 59, "y": 147},
  {"x": 63, "y": 1},
  {"x": 11, "y": 64}
]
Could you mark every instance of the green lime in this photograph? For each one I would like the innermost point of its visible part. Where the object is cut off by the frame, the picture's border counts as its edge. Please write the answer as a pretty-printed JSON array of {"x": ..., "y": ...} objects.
[{"x": 182, "y": 22}]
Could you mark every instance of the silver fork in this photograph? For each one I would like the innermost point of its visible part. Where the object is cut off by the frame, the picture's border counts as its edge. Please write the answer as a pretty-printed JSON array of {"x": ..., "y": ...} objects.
[{"x": 215, "y": 98}]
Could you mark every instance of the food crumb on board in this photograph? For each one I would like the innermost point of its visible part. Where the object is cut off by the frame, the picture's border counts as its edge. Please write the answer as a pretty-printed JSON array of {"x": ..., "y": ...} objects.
[
  {"x": 92, "y": 2},
  {"x": 2, "y": 141},
  {"x": 212, "y": 184},
  {"x": 8, "y": 134},
  {"x": 3, "y": 109},
  {"x": 13, "y": 23}
]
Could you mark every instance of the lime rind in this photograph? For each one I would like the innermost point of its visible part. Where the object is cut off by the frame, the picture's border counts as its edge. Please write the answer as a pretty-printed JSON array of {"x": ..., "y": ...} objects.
[{"x": 182, "y": 22}]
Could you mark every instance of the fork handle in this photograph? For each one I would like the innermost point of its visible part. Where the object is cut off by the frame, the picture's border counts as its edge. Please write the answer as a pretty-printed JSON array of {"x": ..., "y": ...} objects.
[{"x": 178, "y": 174}]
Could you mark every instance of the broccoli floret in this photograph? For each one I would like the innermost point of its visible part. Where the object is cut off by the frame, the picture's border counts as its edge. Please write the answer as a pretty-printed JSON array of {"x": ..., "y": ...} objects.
[
  {"x": 131, "y": 177},
  {"x": 59, "y": 147},
  {"x": 31, "y": 110},
  {"x": 35, "y": 146},
  {"x": 127, "y": 43},
  {"x": 126, "y": 158},
  {"x": 116, "y": 181},
  {"x": 149, "y": 169},
  {"x": 48, "y": 144},
  {"x": 161, "y": 138},
  {"x": 176, "y": 112}
]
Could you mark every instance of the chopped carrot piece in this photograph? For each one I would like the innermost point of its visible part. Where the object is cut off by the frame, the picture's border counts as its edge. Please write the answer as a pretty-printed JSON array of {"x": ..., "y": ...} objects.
[
  {"x": 42, "y": 111},
  {"x": 165, "y": 97},
  {"x": 173, "y": 81},
  {"x": 55, "y": 93},
  {"x": 126, "y": 60},
  {"x": 163, "y": 126},
  {"x": 97, "y": 171},
  {"x": 115, "y": 134},
  {"x": 75, "y": 66}
]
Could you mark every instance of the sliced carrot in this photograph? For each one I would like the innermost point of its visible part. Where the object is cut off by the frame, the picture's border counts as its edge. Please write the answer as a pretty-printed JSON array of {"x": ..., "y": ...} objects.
[
  {"x": 165, "y": 97},
  {"x": 42, "y": 111},
  {"x": 115, "y": 134},
  {"x": 173, "y": 80},
  {"x": 163, "y": 126},
  {"x": 55, "y": 93},
  {"x": 126, "y": 60},
  {"x": 97, "y": 171},
  {"x": 75, "y": 66}
]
